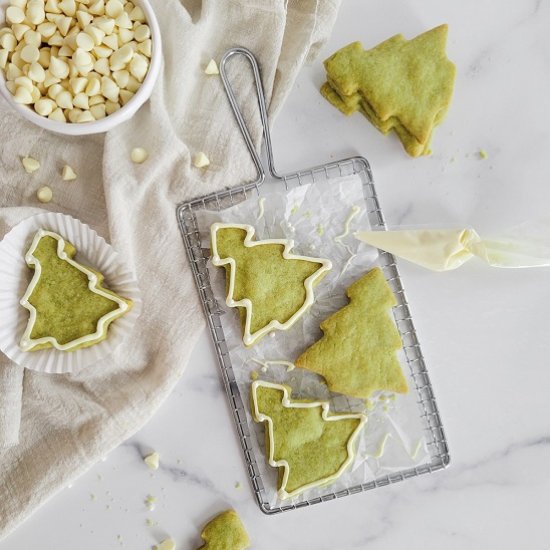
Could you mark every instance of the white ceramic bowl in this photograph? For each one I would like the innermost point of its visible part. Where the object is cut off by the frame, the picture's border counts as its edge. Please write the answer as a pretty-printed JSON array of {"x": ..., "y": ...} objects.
[{"x": 109, "y": 122}]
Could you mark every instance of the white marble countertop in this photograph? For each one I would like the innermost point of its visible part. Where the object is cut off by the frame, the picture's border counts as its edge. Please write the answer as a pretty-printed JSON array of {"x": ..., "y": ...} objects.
[{"x": 484, "y": 332}]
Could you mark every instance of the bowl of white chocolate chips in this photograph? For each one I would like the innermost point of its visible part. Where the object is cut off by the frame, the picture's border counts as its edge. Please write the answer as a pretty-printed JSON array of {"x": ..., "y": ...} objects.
[{"x": 78, "y": 67}]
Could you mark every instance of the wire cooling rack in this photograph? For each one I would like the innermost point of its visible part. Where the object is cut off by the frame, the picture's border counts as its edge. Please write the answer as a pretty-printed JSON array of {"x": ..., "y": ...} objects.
[{"x": 198, "y": 257}]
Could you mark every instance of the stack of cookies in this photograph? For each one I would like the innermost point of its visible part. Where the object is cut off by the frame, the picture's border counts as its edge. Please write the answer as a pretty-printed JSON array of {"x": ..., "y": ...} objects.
[{"x": 401, "y": 85}]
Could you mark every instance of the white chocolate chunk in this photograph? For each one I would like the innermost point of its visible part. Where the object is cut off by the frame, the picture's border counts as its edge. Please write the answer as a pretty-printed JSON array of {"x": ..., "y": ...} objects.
[
  {"x": 106, "y": 24},
  {"x": 109, "y": 88},
  {"x": 24, "y": 82},
  {"x": 58, "y": 67},
  {"x": 139, "y": 67},
  {"x": 3, "y": 58},
  {"x": 68, "y": 173},
  {"x": 137, "y": 14},
  {"x": 57, "y": 115},
  {"x": 145, "y": 47},
  {"x": 68, "y": 7},
  {"x": 125, "y": 96},
  {"x": 167, "y": 544},
  {"x": 78, "y": 84},
  {"x": 121, "y": 58},
  {"x": 44, "y": 106},
  {"x": 19, "y": 3},
  {"x": 84, "y": 18},
  {"x": 121, "y": 78},
  {"x": 114, "y": 8},
  {"x": 33, "y": 38},
  {"x": 152, "y": 461},
  {"x": 200, "y": 160},
  {"x": 19, "y": 30},
  {"x": 111, "y": 107},
  {"x": 142, "y": 32},
  {"x": 8, "y": 41},
  {"x": 139, "y": 155},
  {"x": 37, "y": 72},
  {"x": 46, "y": 29},
  {"x": 111, "y": 41},
  {"x": 44, "y": 194},
  {"x": 123, "y": 21},
  {"x": 212, "y": 68},
  {"x": 98, "y": 111},
  {"x": 35, "y": 12},
  {"x": 30, "y": 165},
  {"x": 64, "y": 100},
  {"x": 52, "y": 6},
  {"x": 15, "y": 14},
  {"x": 93, "y": 88},
  {"x": 85, "y": 41},
  {"x": 22, "y": 96},
  {"x": 85, "y": 116},
  {"x": 30, "y": 54}
]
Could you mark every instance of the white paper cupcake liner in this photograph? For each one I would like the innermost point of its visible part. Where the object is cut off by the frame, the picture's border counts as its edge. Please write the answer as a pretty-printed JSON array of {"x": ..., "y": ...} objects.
[{"x": 15, "y": 275}]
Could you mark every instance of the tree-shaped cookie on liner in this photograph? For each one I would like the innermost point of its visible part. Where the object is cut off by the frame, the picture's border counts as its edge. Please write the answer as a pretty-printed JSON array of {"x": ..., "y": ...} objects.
[
  {"x": 357, "y": 354},
  {"x": 68, "y": 307},
  {"x": 404, "y": 85},
  {"x": 272, "y": 287},
  {"x": 310, "y": 447},
  {"x": 225, "y": 532}
]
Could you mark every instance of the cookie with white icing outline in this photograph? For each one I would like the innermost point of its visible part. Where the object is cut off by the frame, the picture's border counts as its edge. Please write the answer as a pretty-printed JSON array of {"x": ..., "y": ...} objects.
[
  {"x": 69, "y": 308},
  {"x": 309, "y": 446},
  {"x": 272, "y": 287}
]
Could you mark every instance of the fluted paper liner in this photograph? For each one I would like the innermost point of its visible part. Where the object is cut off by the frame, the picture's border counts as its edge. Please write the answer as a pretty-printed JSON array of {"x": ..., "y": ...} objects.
[{"x": 15, "y": 276}]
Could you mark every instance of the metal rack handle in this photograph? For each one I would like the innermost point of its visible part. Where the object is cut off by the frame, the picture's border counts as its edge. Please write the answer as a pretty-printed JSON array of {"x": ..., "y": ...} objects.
[{"x": 239, "y": 116}]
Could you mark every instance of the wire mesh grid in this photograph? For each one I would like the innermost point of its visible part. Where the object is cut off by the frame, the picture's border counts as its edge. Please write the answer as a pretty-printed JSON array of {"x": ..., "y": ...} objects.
[{"x": 198, "y": 258}]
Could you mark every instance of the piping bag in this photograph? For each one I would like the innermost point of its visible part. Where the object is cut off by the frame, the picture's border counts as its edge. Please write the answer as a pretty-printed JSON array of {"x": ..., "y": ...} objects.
[{"x": 526, "y": 245}]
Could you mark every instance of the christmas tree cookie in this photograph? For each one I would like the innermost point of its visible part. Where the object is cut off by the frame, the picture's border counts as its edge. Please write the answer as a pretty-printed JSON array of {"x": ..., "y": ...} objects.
[
  {"x": 69, "y": 308},
  {"x": 225, "y": 532},
  {"x": 357, "y": 354},
  {"x": 401, "y": 85},
  {"x": 271, "y": 287},
  {"x": 309, "y": 446}
]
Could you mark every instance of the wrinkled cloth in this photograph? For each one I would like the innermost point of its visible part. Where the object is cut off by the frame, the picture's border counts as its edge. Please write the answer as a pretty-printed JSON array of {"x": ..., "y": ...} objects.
[{"x": 74, "y": 420}]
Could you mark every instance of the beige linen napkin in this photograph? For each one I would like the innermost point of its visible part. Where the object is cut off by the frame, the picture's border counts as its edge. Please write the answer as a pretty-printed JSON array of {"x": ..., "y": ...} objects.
[{"x": 68, "y": 422}]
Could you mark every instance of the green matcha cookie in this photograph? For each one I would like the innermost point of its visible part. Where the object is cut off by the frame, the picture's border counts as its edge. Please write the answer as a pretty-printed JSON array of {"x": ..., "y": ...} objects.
[
  {"x": 404, "y": 85},
  {"x": 357, "y": 354},
  {"x": 271, "y": 287},
  {"x": 310, "y": 447},
  {"x": 69, "y": 308},
  {"x": 225, "y": 532}
]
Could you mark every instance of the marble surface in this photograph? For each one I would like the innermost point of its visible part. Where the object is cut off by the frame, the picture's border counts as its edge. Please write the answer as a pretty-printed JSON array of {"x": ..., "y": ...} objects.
[{"x": 484, "y": 331}]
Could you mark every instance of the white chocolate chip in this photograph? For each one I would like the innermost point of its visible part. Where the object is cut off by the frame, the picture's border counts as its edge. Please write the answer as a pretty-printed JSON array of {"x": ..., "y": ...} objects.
[
  {"x": 139, "y": 66},
  {"x": 44, "y": 194},
  {"x": 200, "y": 160},
  {"x": 64, "y": 100},
  {"x": 109, "y": 88},
  {"x": 15, "y": 15},
  {"x": 24, "y": 82},
  {"x": 152, "y": 461},
  {"x": 139, "y": 155},
  {"x": 44, "y": 106},
  {"x": 30, "y": 165},
  {"x": 58, "y": 68},
  {"x": 212, "y": 68},
  {"x": 142, "y": 32},
  {"x": 78, "y": 84},
  {"x": 85, "y": 41},
  {"x": 68, "y": 173},
  {"x": 22, "y": 96},
  {"x": 85, "y": 116},
  {"x": 33, "y": 38},
  {"x": 37, "y": 72},
  {"x": 57, "y": 115},
  {"x": 98, "y": 111},
  {"x": 30, "y": 54},
  {"x": 3, "y": 58},
  {"x": 81, "y": 101},
  {"x": 68, "y": 7},
  {"x": 114, "y": 8},
  {"x": 167, "y": 544}
]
